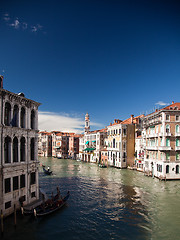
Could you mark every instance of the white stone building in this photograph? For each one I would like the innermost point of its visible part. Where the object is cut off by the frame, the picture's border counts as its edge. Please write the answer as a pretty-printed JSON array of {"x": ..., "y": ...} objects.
[
  {"x": 19, "y": 150},
  {"x": 162, "y": 154}
]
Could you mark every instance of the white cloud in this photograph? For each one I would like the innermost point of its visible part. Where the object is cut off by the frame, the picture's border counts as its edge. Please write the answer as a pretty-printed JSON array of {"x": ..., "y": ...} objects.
[
  {"x": 161, "y": 103},
  {"x": 50, "y": 121},
  {"x": 17, "y": 24}
]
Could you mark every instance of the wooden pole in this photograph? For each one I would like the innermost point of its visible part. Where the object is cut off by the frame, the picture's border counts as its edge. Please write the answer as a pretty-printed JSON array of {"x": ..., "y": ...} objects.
[
  {"x": 15, "y": 215},
  {"x": 2, "y": 225}
]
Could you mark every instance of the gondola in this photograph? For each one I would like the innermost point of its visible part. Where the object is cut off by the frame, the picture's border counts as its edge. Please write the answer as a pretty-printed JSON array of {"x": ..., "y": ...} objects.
[
  {"x": 51, "y": 207},
  {"x": 47, "y": 172}
]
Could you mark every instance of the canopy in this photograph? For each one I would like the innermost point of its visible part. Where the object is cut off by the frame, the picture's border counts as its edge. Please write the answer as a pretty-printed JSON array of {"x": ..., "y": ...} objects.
[
  {"x": 89, "y": 149},
  {"x": 94, "y": 141},
  {"x": 87, "y": 142},
  {"x": 57, "y": 147}
]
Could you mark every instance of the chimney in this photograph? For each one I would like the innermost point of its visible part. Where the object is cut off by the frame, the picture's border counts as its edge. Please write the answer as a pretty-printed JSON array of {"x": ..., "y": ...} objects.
[
  {"x": 132, "y": 116},
  {"x": 172, "y": 102},
  {"x": 1, "y": 81}
]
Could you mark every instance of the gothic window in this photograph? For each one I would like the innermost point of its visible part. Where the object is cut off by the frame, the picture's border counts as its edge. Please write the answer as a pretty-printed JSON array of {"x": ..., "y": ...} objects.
[
  {"x": 22, "y": 117},
  {"x": 22, "y": 150},
  {"x": 7, "y": 114},
  {"x": 7, "y": 150},
  {"x": 32, "y": 119},
  {"x": 15, "y": 149},
  {"x": 32, "y": 149},
  {"x": 14, "y": 121},
  {"x": 113, "y": 143},
  {"x": 167, "y": 128}
]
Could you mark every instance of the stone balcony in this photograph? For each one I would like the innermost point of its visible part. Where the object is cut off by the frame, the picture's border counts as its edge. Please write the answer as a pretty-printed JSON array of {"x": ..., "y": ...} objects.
[
  {"x": 177, "y": 134},
  {"x": 151, "y": 147},
  {"x": 177, "y": 148},
  {"x": 165, "y": 148},
  {"x": 152, "y": 135}
]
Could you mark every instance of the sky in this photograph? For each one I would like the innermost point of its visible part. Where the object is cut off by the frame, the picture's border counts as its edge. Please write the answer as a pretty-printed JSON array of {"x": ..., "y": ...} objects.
[{"x": 110, "y": 58}]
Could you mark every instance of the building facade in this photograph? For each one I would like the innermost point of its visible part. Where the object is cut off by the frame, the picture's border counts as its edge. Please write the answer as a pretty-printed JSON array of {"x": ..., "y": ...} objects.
[
  {"x": 19, "y": 150},
  {"x": 44, "y": 144},
  {"x": 162, "y": 154}
]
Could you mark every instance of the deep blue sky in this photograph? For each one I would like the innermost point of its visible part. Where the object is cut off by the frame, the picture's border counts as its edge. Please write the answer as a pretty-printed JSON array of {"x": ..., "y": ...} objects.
[{"x": 110, "y": 58}]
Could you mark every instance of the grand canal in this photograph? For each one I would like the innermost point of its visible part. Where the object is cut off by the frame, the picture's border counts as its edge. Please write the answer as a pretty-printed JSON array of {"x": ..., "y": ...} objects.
[{"x": 104, "y": 204}]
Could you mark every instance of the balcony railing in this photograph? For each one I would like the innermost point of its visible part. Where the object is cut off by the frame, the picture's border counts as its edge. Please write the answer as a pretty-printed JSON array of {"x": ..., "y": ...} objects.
[
  {"x": 177, "y": 134},
  {"x": 152, "y": 135},
  {"x": 151, "y": 147},
  {"x": 177, "y": 148},
  {"x": 164, "y": 148}
]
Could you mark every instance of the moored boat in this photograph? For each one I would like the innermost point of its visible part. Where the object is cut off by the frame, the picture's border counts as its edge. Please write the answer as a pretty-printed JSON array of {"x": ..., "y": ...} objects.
[
  {"x": 46, "y": 171},
  {"x": 51, "y": 207}
]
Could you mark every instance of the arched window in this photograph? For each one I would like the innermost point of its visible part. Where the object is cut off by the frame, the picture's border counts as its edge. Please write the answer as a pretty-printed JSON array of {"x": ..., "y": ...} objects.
[
  {"x": 114, "y": 143},
  {"x": 15, "y": 149},
  {"x": 22, "y": 150},
  {"x": 22, "y": 117},
  {"x": 177, "y": 168},
  {"x": 14, "y": 121},
  {"x": 167, "y": 168},
  {"x": 32, "y": 119},
  {"x": 167, "y": 128},
  {"x": 177, "y": 142},
  {"x": 7, "y": 150},
  {"x": 167, "y": 142},
  {"x": 177, "y": 128},
  {"x": 32, "y": 149},
  {"x": 7, "y": 114}
]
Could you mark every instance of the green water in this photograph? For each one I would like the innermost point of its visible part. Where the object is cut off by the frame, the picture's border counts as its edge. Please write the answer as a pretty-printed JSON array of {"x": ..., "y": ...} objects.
[{"x": 105, "y": 203}]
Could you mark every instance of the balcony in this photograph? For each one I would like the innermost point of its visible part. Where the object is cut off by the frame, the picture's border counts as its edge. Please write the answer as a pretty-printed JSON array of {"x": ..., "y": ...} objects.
[
  {"x": 168, "y": 134},
  {"x": 151, "y": 147},
  {"x": 177, "y": 148},
  {"x": 164, "y": 148},
  {"x": 152, "y": 135},
  {"x": 177, "y": 134}
]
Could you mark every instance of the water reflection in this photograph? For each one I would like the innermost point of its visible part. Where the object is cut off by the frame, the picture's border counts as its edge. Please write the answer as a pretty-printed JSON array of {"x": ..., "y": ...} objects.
[{"x": 104, "y": 204}]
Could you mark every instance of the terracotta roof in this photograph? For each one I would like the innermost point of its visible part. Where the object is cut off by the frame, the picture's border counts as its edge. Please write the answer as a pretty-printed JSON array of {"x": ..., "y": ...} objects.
[{"x": 172, "y": 106}]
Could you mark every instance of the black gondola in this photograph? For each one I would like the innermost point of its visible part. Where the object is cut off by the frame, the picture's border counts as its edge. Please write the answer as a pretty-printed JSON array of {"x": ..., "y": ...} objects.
[
  {"x": 51, "y": 207},
  {"x": 46, "y": 171}
]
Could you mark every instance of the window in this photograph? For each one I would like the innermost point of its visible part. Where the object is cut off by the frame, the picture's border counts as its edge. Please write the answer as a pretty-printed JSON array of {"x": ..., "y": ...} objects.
[
  {"x": 33, "y": 194},
  {"x": 177, "y": 128},
  {"x": 7, "y": 185},
  {"x": 113, "y": 143},
  {"x": 22, "y": 181},
  {"x": 14, "y": 121},
  {"x": 177, "y": 168},
  {"x": 15, "y": 183},
  {"x": 119, "y": 131},
  {"x": 7, "y": 150},
  {"x": 167, "y": 117},
  {"x": 124, "y": 131},
  {"x": 167, "y": 142},
  {"x": 167, "y": 156},
  {"x": 22, "y": 150},
  {"x": 177, "y": 118},
  {"x": 167, "y": 169},
  {"x": 33, "y": 120},
  {"x": 7, "y": 114},
  {"x": 7, "y": 205},
  {"x": 177, "y": 156},
  {"x": 32, "y": 149},
  {"x": 15, "y": 149},
  {"x": 177, "y": 142},
  {"x": 33, "y": 178},
  {"x": 167, "y": 128},
  {"x": 22, "y": 117}
]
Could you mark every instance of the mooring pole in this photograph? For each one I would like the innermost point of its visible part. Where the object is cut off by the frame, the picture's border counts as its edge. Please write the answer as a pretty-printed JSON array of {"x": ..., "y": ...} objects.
[
  {"x": 2, "y": 225},
  {"x": 15, "y": 215}
]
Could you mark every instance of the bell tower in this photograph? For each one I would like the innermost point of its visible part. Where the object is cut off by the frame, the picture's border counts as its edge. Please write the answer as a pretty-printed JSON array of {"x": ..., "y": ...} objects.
[{"x": 87, "y": 123}]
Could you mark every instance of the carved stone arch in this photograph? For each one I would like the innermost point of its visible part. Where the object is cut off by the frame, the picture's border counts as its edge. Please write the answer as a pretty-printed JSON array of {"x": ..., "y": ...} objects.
[
  {"x": 7, "y": 149},
  {"x": 7, "y": 113}
]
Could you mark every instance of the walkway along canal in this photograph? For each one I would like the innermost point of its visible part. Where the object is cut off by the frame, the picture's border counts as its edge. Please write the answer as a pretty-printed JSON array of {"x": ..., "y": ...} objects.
[{"x": 104, "y": 203}]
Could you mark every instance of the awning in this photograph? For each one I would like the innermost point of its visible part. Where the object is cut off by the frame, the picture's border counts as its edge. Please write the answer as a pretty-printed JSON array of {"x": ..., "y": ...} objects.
[
  {"x": 89, "y": 149},
  {"x": 87, "y": 142},
  {"x": 94, "y": 141},
  {"x": 152, "y": 126},
  {"x": 57, "y": 147}
]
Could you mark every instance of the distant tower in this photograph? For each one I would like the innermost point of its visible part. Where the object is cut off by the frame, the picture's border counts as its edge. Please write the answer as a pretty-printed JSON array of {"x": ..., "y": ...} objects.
[{"x": 87, "y": 125}]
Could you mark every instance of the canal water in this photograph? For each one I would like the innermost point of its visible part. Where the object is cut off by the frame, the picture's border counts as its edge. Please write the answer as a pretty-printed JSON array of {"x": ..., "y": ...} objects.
[{"x": 104, "y": 203}]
